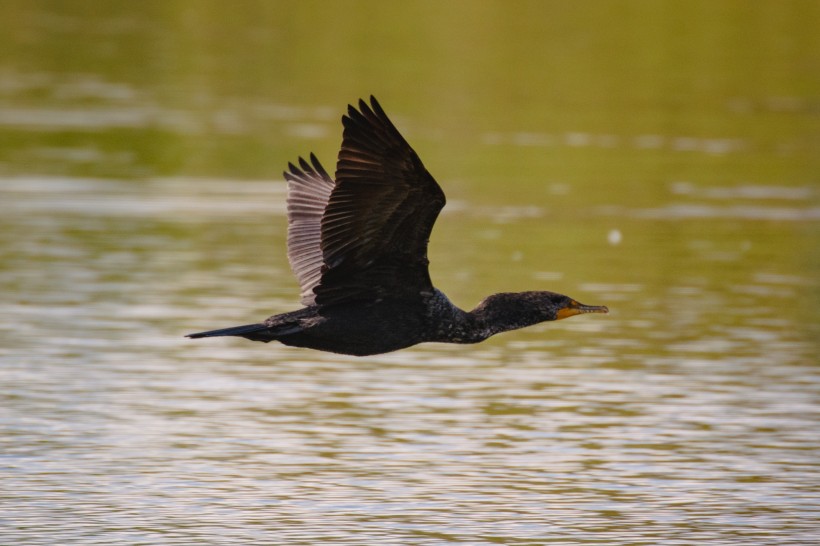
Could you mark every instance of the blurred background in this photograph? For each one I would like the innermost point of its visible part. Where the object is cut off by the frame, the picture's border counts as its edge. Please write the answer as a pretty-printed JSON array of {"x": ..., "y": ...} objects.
[{"x": 661, "y": 158}]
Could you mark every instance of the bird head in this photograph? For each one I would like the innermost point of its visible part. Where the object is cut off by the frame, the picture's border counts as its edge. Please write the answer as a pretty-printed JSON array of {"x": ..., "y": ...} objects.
[
  {"x": 510, "y": 311},
  {"x": 565, "y": 307}
]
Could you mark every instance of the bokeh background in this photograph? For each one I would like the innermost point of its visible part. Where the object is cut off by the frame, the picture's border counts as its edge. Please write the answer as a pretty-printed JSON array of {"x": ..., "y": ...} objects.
[{"x": 661, "y": 158}]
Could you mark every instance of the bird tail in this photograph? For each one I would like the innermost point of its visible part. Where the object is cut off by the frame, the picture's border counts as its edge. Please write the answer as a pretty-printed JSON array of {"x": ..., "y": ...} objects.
[{"x": 250, "y": 331}]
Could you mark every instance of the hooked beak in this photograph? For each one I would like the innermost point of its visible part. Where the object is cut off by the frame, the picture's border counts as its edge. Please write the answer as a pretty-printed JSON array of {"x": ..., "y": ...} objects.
[{"x": 575, "y": 308}]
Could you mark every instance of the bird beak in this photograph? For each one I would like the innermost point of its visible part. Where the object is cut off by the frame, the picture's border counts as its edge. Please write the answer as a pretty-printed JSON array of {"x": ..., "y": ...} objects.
[{"x": 575, "y": 308}]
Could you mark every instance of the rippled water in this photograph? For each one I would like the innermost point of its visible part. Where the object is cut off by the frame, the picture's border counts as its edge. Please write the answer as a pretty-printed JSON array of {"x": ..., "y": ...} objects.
[
  {"x": 657, "y": 158},
  {"x": 688, "y": 415}
]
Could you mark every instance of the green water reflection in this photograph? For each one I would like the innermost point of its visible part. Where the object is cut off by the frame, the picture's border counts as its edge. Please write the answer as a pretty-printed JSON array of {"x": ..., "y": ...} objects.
[{"x": 661, "y": 158}]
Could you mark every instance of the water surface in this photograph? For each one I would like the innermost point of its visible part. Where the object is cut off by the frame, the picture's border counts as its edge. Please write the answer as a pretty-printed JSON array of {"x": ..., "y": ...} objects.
[{"x": 645, "y": 165}]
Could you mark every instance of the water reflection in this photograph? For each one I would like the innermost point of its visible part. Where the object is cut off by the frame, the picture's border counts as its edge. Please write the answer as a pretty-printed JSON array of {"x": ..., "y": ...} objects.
[
  {"x": 688, "y": 414},
  {"x": 711, "y": 146},
  {"x": 660, "y": 159}
]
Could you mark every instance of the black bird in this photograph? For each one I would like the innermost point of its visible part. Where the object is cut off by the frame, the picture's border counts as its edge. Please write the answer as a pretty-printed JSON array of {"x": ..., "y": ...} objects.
[{"x": 358, "y": 246}]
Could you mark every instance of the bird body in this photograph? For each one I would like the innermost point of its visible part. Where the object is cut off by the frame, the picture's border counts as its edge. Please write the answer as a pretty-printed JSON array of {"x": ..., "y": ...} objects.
[{"x": 358, "y": 247}]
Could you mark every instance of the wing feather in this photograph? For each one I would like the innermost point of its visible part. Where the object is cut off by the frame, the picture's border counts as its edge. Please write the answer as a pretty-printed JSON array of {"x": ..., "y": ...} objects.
[
  {"x": 309, "y": 189},
  {"x": 379, "y": 216}
]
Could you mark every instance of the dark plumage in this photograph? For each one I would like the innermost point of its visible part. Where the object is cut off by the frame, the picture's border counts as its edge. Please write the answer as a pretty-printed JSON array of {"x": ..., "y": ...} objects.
[{"x": 358, "y": 247}]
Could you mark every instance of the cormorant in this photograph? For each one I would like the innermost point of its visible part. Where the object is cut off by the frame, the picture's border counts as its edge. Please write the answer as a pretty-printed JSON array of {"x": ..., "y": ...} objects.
[{"x": 358, "y": 247}]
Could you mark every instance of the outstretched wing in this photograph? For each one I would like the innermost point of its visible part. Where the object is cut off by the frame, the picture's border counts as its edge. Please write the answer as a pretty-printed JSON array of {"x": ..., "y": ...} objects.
[
  {"x": 309, "y": 188},
  {"x": 379, "y": 217}
]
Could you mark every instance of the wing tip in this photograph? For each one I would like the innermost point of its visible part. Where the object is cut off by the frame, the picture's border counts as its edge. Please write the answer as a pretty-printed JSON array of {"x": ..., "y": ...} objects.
[
  {"x": 306, "y": 169},
  {"x": 377, "y": 108},
  {"x": 364, "y": 110},
  {"x": 318, "y": 168}
]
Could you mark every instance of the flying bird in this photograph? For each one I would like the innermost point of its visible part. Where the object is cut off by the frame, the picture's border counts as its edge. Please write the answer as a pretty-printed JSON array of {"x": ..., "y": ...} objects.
[{"x": 358, "y": 247}]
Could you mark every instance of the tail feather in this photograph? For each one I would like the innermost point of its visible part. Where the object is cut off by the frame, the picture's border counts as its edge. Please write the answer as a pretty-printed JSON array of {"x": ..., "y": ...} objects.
[{"x": 245, "y": 331}]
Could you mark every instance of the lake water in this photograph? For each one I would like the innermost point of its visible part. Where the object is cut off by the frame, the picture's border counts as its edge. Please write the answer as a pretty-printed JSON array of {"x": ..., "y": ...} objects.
[{"x": 661, "y": 160}]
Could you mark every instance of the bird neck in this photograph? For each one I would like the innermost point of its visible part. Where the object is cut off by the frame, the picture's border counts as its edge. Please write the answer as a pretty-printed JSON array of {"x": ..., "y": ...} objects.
[
  {"x": 497, "y": 313},
  {"x": 504, "y": 312}
]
